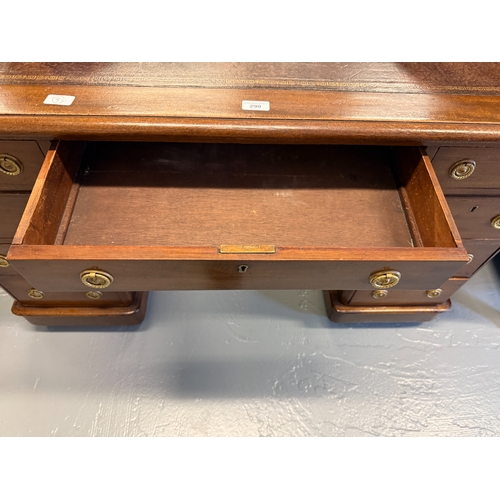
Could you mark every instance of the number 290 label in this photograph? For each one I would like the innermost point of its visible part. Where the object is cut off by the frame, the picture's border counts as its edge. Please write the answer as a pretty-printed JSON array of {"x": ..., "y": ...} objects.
[{"x": 255, "y": 105}]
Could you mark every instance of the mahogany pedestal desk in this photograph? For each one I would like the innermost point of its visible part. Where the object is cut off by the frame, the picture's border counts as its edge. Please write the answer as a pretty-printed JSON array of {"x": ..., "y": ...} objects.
[{"x": 377, "y": 183}]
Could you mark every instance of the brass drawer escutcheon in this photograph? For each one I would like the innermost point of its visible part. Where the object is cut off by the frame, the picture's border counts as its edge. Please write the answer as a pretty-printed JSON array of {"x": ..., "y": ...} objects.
[
  {"x": 3, "y": 261},
  {"x": 94, "y": 295},
  {"x": 462, "y": 169},
  {"x": 379, "y": 294},
  {"x": 96, "y": 279},
  {"x": 434, "y": 293},
  {"x": 10, "y": 165},
  {"x": 385, "y": 279}
]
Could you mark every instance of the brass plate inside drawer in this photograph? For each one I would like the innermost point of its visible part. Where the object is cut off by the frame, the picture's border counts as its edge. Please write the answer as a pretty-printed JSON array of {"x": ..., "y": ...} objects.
[{"x": 247, "y": 249}]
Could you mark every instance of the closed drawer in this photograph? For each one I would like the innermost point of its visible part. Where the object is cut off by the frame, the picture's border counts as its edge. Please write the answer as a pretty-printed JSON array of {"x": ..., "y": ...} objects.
[
  {"x": 402, "y": 297},
  {"x": 135, "y": 216},
  {"x": 11, "y": 209},
  {"x": 464, "y": 168},
  {"x": 476, "y": 216},
  {"x": 20, "y": 162},
  {"x": 481, "y": 251},
  {"x": 21, "y": 290}
]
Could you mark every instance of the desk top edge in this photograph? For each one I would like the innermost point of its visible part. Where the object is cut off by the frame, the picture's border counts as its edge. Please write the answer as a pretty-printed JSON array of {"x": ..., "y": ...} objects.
[{"x": 412, "y": 103}]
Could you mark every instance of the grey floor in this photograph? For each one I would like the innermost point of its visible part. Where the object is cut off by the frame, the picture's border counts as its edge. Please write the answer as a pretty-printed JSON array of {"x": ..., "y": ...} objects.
[{"x": 256, "y": 364}]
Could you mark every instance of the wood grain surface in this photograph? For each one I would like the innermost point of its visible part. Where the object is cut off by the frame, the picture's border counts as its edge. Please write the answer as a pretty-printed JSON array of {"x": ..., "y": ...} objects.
[
  {"x": 211, "y": 195},
  {"x": 170, "y": 240},
  {"x": 309, "y": 103},
  {"x": 473, "y": 215}
]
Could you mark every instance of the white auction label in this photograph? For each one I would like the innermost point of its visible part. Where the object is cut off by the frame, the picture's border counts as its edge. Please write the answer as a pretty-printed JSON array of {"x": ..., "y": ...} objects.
[
  {"x": 255, "y": 105},
  {"x": 59, "y": 100}
]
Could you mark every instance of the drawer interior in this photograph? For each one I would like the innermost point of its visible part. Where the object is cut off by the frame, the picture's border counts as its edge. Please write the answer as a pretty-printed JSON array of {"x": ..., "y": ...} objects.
[{"x": 208, "y": 195}]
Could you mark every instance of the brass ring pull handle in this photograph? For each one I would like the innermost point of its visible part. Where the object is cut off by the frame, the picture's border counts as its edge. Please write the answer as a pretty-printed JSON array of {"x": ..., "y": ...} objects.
[
  {"x": 385, "y": 279},
  {"x": 3, "y": 261},
  {"x": 35, "y": 294},
  {"x": 495, "y": 222},
  {"x": 9, "y": 165},
  {"x": 96, "y": 279},
  {"x": 462, "y": 169},
  {"x": 432, "y": 294}
]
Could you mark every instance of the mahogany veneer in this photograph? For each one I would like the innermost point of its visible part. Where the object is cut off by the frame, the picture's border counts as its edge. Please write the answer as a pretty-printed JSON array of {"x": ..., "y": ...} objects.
[{"x": 157, "y": 175}]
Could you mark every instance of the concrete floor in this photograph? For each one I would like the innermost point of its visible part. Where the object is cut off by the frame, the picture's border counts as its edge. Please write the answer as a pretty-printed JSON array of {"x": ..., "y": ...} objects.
[{"x": 252, "y": 363}]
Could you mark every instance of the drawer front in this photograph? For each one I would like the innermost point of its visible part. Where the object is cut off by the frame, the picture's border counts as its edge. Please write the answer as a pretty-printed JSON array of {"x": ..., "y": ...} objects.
[
  {"x": 350, "y": 314},
  {"x": 464, "y": 168},
  {"x": 27, "y": 295},
  {"x": 20, "y": 162},
  {"x": 244, "y": 274},
  {"x": 482, "y": 251},
  {"x": 12, "y": 206},
  {"x": 467, "y": 168},
  {"x": 476, "y": 216},
  {"x": 201, "y": 217},
  {"x": 399, "y": 297}
]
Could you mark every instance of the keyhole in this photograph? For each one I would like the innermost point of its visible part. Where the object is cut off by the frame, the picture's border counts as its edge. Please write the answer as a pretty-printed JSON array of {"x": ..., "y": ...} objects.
[
  {"x": 474, "y": 208},
  {"x": 243, "y": 268}
]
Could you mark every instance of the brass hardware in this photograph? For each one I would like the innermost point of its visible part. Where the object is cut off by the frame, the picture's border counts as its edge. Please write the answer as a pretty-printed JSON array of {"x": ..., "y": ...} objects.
[
  {"x": 471, "y": 258},
  {"x": 379, "y": 294},
  {"x": 434, "y": 293},
  {"x": 462, "y": 169},
  {"x": 495, "y": 222},
  {"x": 385, "y": 279},
  {"x": 94, "y": 295},
  {"x": 247, "y": 249},
  {"x": 35, "y": 294},
  {"x": 10, "y": 165},
  {"x": 3, "y": 261},
  {"x": 96, "y": 279},
  {"x": 243, "y": 268}
]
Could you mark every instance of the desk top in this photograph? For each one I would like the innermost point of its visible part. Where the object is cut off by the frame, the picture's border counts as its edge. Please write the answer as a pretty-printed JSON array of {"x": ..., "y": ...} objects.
[{"x": 358, "y": 103}]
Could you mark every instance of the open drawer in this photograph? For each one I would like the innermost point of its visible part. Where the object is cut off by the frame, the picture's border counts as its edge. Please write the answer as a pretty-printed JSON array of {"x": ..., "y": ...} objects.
[{"x": 164, "y": 216}]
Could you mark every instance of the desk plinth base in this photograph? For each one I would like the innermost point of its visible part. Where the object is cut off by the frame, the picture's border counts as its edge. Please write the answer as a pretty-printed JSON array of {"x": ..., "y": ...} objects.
[
  {"x": 132, "y": 314},
  {"x": 341, "y": 313}
]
